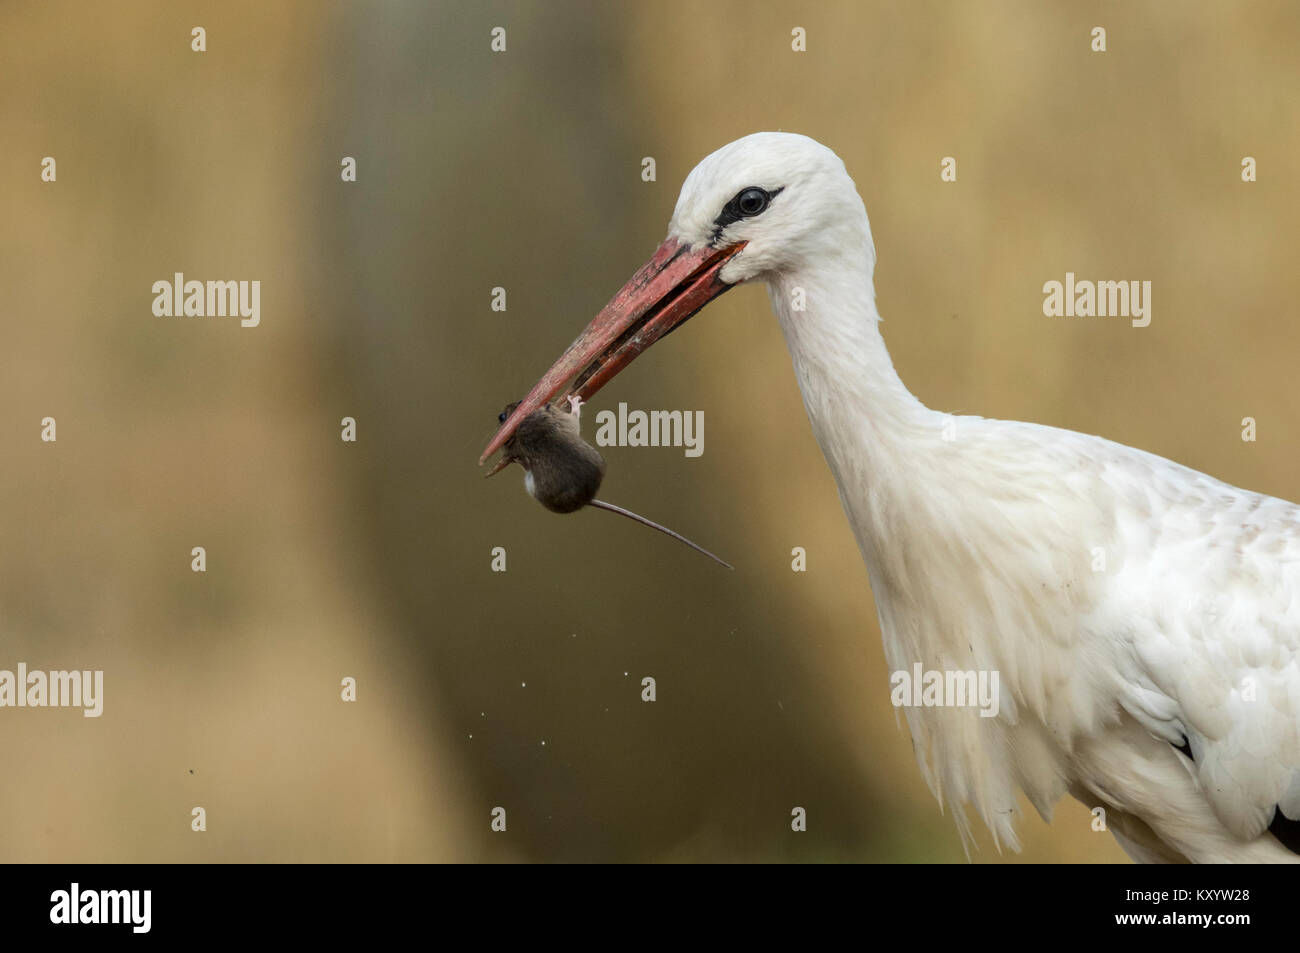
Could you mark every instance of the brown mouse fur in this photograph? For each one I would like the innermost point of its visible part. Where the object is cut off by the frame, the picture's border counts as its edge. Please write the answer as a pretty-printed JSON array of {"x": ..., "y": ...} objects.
[{"x": 561, "y": 470}]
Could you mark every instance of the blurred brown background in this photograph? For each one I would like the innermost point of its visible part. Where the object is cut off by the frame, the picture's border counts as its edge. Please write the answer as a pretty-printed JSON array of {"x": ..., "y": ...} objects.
[{"x": 522, "y": 170}]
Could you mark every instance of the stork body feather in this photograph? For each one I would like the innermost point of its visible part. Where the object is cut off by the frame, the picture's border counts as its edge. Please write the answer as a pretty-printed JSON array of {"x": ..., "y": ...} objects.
[{"x": 1144, "y": 618}]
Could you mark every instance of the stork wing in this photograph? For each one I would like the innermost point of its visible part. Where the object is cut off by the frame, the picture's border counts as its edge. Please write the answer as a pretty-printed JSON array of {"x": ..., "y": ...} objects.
[{"x": 1211, "y": 576}]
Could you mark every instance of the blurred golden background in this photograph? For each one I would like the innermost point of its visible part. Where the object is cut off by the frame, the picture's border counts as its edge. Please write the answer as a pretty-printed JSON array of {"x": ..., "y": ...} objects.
[{"x": 522, "y": 170}]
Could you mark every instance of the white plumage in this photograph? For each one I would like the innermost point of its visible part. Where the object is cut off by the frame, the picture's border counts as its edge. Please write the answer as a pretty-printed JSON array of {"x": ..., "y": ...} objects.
[{"x": 983, "y": 552}]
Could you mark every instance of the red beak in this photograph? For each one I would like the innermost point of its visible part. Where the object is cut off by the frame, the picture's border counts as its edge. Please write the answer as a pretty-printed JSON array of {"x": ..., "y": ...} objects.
[{"x": 675, "y": 283}]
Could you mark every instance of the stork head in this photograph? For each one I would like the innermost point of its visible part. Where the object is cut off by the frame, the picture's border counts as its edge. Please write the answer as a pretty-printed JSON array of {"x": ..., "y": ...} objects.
[
  {"x": 781, "y": 199},
  {"x": 764, "y": 204}
]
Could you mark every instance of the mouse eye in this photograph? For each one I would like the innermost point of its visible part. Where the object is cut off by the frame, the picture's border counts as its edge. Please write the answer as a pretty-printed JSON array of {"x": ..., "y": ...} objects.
[
  {"x": 501, "y": 417},
  {"x": 752, "y": 201}
]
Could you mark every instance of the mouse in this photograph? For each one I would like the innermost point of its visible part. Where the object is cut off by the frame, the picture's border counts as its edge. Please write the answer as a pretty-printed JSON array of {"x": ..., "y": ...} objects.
[{"x": 561, "y": 470}]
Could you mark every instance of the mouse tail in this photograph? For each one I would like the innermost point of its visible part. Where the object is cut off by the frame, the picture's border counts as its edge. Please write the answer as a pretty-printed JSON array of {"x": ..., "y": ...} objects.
[{"x": 663, "y": 529}]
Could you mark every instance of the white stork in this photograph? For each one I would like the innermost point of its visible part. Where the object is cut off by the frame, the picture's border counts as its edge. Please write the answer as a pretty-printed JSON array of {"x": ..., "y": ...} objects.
[{"x": 1164, "y": 688}]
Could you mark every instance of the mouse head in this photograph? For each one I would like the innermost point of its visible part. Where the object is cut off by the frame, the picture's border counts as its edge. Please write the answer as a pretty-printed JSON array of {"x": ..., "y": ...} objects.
[
  {"x": 539, "y": 430},
  {"x": 510, "y": 408},
  {"x": 508, "y": 449}
]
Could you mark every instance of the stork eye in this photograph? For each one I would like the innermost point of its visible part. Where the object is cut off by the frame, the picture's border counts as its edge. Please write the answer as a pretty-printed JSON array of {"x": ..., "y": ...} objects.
[
  {"x": 746, "y": 204},
  {"x": 752, "y": 201}
]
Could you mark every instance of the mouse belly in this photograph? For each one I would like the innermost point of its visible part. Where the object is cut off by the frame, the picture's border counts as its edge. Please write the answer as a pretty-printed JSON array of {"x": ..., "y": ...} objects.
[{"x": 561, "y": 495}]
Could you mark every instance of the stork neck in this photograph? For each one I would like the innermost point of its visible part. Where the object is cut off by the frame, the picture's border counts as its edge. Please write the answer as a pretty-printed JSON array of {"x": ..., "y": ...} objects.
[{"x": 859, "y": 407}]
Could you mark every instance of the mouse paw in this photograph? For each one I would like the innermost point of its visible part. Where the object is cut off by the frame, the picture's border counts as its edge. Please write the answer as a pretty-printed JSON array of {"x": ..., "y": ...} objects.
[{"x": 575, "y": 405}]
